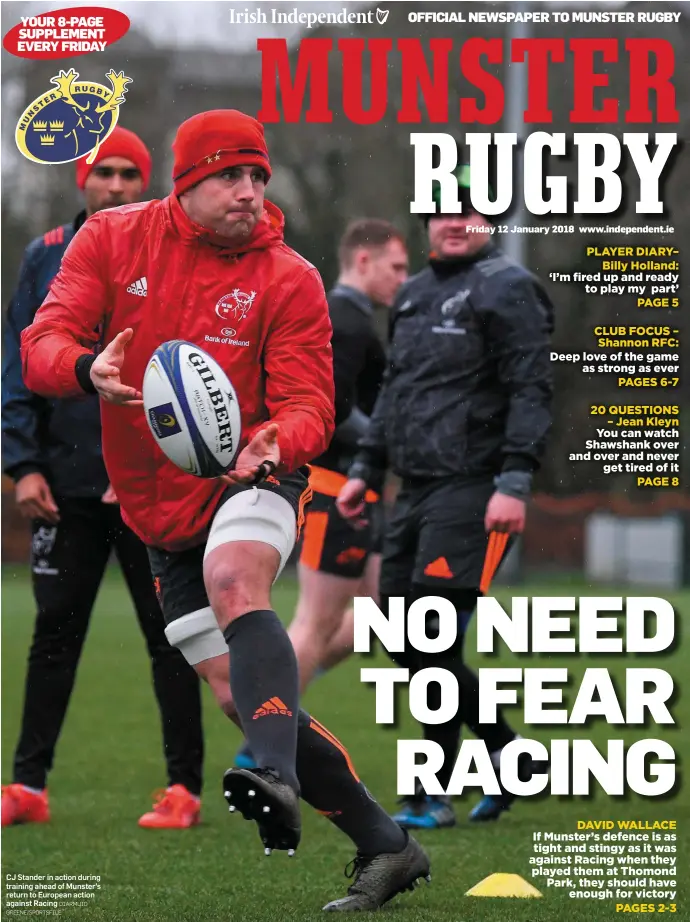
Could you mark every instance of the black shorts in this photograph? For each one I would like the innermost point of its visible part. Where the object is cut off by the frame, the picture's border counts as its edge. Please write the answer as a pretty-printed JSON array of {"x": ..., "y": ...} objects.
[
  {"x": 435, "y": 536},
  {"x": 329, "y": 544},
  {"x": 179, "y": 575}
]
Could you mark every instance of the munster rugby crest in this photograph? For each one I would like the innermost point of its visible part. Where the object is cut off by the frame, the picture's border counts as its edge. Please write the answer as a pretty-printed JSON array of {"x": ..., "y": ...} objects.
[{"x": 72, "y": 120}]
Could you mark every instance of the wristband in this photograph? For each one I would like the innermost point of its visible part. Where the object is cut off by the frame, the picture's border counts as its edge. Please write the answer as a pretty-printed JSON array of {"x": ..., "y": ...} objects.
[
  {"x": 82, "y": 371},
  {"x": 517, "y": 484}
]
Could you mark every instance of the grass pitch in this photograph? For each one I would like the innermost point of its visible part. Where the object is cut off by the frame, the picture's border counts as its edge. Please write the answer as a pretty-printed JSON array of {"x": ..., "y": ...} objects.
[{"x": 109, "y": 760}]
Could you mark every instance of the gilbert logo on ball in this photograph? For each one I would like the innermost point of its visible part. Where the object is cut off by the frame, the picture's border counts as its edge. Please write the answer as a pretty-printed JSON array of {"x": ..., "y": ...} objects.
[{"x": 72, "y": 121}]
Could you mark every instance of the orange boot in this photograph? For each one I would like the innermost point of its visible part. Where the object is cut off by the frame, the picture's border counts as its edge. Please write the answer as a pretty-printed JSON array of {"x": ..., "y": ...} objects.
[
  {"x": 22, "y": 806},
  {"x": 174, "y": 808}
]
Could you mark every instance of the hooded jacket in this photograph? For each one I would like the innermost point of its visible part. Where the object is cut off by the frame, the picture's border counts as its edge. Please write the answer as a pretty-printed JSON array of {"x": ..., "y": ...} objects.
[{"x": 259, "y": 309}]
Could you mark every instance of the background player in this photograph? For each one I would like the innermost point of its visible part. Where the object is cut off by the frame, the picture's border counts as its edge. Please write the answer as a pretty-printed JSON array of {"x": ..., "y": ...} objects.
[
  {"x": 52, "y": 450},
  {"x": 462, "y": 418}
]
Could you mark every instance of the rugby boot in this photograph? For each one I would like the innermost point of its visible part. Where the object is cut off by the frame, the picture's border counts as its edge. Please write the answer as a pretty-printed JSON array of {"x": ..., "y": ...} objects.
[
  {"x": 489, "y": 808},
  {"x": 20, "y": 805},
  {"x": 429, "y": 811},
  {"x": 378, "y": 878},
  {"x": 492, "y": 806},
  {"x": 175, "y": 808},
  {"x": 424, "y": 811},
  {"x": 260, "y": 795}
]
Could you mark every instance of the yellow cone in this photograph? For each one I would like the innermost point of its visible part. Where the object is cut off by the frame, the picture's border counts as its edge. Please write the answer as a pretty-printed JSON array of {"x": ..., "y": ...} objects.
[{"x": 504, "y": 885}]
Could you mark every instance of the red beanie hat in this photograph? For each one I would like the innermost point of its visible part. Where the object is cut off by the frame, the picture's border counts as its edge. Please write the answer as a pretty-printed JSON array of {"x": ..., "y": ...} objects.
[
  {"x": 212, "y": 141},
  {"x": 119, "y": 143}
]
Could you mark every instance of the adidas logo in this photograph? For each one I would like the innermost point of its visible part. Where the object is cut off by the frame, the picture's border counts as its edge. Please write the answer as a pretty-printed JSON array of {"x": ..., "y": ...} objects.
[
  {"x": 351, "y": 555},
  {"x": 139, "y": 287},
  {"x": 272, "y": 706},
  {"x": 439, "y": 568}
]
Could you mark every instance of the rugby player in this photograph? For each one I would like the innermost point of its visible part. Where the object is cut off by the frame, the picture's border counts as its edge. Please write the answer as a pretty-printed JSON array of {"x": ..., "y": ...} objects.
[{"x": 213, "y": 255}]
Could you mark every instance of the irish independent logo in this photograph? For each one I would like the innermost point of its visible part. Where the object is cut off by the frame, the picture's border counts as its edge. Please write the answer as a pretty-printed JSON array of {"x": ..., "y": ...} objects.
[{"x": 72, "y": 120}]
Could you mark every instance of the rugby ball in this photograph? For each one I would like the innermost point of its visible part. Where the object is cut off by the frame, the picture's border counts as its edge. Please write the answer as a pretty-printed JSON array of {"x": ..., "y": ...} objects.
[{"x": 192, "y": 409}]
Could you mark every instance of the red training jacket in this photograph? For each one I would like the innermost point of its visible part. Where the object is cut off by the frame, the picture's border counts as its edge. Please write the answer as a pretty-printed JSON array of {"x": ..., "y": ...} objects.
[{"x": 260, "y": 310}]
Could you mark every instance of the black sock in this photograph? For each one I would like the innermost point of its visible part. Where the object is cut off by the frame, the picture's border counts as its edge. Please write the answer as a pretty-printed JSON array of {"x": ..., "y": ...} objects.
[
  {"x": 495, "y": 735},
  {"x": 447, "y": 735},
  {"x": 265, "y": 688},
  {"x": 330, "y": 785}
]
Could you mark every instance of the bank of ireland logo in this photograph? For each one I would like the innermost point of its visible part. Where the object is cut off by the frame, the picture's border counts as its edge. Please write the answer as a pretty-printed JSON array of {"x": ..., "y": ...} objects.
[
  {"x": 236, "y": 305},
  {"x": 72, "y": 120}
]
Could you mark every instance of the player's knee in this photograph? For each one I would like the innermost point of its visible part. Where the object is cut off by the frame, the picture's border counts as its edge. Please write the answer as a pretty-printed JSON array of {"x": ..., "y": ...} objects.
[
  {"x": 234, "y": 590},
  {"x": 223, "y": 578},
  {"x": 251, "y": 538},
  {"x": 197, "y": 636}
]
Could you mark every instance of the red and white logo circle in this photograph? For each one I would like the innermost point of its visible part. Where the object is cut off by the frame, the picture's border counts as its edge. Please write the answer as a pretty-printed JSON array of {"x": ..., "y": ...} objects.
[{"x": 236, "y": 305}]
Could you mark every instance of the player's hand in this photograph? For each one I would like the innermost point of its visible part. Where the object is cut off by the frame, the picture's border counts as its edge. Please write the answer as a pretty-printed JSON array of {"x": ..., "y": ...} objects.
[
  {"x": 506, "y": 514},
  {"x": 35, "y": 500},
  {"x": 105, "y": 373},
  {"x": 350, "y": 502},
  {"x": 263, "y": 447},
  {"x": 110, "y": 496}
]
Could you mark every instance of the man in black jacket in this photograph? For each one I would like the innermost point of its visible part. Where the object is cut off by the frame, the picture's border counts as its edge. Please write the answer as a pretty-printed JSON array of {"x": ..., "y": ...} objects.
[
  {"x": 52, "y": 451},
  {"x": 462, "y": 418}
]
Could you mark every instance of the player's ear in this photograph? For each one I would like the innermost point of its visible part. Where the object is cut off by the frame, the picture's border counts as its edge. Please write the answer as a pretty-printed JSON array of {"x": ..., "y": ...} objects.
[{"x": 362, "y": 259}]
